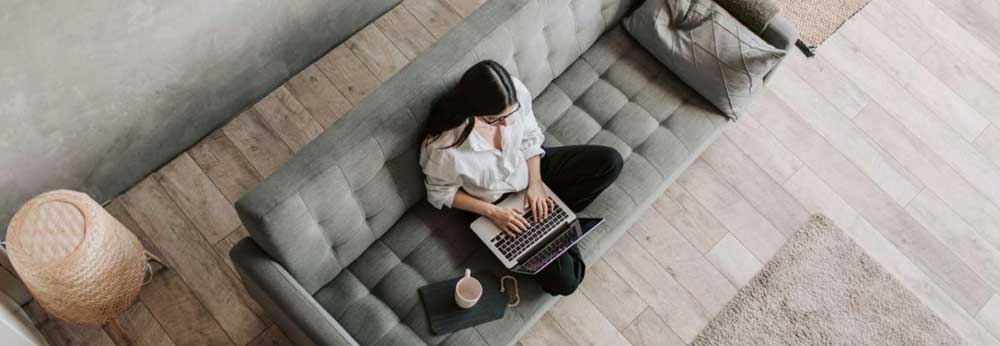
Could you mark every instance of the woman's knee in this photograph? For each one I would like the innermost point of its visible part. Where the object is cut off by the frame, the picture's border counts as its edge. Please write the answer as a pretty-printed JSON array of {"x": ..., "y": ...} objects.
[
  {"x": 563, "y": 276},
  {"x": 614, "y": 162}
]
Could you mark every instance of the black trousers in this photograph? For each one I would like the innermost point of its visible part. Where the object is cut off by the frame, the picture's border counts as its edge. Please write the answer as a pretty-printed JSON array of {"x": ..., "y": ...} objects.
[{"x": 577, "y": 174}]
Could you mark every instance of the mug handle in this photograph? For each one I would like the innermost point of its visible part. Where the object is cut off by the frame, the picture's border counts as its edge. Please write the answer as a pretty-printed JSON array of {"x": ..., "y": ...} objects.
[{"x": 517, "y": 297}]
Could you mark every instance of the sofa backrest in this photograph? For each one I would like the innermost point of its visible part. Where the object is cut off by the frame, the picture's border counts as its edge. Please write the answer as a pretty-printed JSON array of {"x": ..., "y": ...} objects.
[{"x": 344, "y": 190}]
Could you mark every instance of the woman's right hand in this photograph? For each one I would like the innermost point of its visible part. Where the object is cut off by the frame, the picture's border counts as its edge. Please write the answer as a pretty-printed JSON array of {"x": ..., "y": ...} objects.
[{"x": 509, "y": 220}]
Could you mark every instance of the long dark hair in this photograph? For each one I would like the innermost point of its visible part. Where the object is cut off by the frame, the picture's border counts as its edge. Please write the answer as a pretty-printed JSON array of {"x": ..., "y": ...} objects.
[{"x": 486, "y": 88}]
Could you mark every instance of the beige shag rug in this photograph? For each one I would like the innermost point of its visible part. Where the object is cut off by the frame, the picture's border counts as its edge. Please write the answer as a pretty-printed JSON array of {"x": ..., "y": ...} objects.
[
  {"x": 817, "y": 20},
  {"x": 822, "y": 289}
]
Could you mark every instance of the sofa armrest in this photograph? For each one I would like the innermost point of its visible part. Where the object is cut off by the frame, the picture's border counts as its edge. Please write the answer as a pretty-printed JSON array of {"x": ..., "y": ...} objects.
[
  {"x": 288, "y": 304},
  {"x": 781, "y": 34}
]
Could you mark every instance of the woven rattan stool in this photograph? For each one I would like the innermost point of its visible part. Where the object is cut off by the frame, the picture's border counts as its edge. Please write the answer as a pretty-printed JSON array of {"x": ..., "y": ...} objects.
[{"x": 78, "y": 261}]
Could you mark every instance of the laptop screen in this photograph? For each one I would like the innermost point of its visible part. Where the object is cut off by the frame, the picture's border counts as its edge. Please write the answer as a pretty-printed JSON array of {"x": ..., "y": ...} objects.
[
  {"x": 556, "y": 247},
  {"x": 588, "y": 224}
]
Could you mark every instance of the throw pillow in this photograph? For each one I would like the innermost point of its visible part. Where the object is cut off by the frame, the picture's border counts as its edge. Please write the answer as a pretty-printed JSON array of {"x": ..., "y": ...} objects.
[{"x": 707, "y": 48}]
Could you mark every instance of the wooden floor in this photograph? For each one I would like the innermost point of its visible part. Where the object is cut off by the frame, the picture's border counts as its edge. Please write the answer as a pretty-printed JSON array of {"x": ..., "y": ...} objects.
[{"x": 893, "y": 131}]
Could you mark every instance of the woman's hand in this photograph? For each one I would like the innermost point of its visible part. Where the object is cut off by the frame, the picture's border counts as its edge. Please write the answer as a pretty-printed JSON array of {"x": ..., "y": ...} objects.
[
  {"x": 509, "y": 220},
  {"x": 539, "y": 201}
]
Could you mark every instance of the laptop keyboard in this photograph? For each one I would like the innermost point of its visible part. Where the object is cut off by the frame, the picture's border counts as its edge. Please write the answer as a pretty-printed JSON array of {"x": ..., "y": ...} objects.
[{"x": 514, "y": 247}]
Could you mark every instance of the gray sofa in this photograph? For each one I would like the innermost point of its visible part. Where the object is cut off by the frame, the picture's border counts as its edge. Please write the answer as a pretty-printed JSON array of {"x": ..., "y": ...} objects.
[
  {"x": 96, "y": 94},
  {"x": 342, "y": 236}
]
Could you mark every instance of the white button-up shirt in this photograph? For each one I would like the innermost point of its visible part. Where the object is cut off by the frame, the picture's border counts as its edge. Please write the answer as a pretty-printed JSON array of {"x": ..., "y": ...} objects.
[{"x": 476, "y": 166}]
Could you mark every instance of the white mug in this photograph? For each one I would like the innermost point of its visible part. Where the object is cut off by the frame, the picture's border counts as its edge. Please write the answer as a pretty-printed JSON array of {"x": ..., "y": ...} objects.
[{"x": 468, "y": 290}]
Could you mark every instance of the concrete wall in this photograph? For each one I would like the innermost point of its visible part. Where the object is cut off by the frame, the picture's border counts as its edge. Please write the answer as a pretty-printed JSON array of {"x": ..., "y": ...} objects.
[{"x": 95, "y": 94}]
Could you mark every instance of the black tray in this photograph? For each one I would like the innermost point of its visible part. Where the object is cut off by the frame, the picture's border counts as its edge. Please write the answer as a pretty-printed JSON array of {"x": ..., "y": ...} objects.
[{"x": 445, "y": 316}]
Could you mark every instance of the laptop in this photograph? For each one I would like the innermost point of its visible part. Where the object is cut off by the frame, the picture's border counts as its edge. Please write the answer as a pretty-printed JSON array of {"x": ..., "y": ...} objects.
[{"x": 543, "y": 242}]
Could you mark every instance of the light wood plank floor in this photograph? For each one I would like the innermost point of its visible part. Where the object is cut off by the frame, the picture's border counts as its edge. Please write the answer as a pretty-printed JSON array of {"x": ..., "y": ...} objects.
[{"x": 893, "y": 131}]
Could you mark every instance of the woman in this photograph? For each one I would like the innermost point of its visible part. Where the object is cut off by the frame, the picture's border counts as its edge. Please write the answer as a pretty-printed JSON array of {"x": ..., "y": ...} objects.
[{"x": 481, "y": 142}]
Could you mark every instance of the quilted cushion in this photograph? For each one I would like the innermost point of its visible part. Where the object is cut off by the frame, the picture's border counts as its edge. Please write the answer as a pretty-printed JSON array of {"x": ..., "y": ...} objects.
[
  {"x": 375, "y": 298},
  {"x": 615, "y": 94},
  {"x": 708, "y": 48},
  {"x": 343, "y": 191},
  {"x": 619, "y": 95}
]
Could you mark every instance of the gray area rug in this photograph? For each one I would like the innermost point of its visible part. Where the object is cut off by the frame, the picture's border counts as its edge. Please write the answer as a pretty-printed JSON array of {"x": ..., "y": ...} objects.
[
  {"x": 817, "y": 20},
  {"x": 822, "y": 289}
]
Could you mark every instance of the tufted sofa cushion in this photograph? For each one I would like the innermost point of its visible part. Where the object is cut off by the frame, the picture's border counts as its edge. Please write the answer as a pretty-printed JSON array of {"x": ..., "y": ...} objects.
[
  {"x": 619, "y": 95},
  {"x": 614, "y": 95},
  {"x": 344, "y": 190},
  {"x": 342, "y": 234}
]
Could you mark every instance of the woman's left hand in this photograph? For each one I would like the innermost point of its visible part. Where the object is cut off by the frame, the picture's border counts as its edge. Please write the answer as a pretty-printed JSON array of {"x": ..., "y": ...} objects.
[{"x": 539, "y": 201}]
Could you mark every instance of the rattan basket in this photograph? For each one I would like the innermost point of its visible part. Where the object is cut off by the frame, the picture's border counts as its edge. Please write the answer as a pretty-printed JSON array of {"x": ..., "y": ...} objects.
[{"x": 78, "y": 261}]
